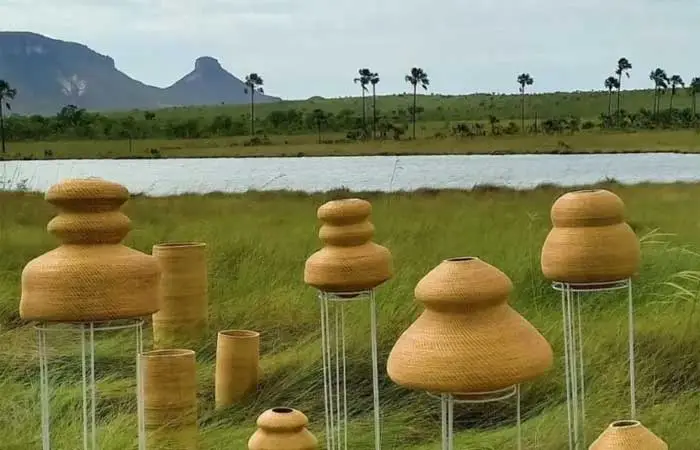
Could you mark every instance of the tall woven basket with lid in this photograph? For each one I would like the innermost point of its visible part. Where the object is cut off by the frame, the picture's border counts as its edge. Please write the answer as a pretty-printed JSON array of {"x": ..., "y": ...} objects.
[{"x": 76, "y": 293}]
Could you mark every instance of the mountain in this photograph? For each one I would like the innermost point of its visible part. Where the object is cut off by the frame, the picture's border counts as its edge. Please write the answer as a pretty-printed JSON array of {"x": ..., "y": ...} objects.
[{"x": 49, "y": 74}]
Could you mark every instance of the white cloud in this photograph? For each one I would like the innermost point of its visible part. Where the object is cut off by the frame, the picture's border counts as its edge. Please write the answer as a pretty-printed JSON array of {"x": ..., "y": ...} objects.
[{"x": 308, "y": 47}]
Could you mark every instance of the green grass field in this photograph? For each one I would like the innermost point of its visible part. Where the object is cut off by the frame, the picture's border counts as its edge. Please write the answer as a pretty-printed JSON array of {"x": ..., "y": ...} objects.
[
  {"x": 682, "y": 141},
  {"x": 586, "y": 105},
  {"x": 257, "y": 246}
]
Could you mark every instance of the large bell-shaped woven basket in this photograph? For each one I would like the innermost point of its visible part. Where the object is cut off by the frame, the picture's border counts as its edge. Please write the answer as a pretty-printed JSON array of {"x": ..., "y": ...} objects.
[
  {"x": 468, "y": 339},
  {"x": 91, "y": 276},
  {"x": 628, "y": 435},
  {"x": 349, "y": 260},
  {"x": 590, "y": 242}
]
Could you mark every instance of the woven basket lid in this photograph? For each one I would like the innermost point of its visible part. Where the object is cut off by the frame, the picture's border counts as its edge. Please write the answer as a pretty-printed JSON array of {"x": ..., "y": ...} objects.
[
  {"x": 590, "y": 241},
  {"x": 349, "y": 261},
  {"x": 628, "y": 435},
  {"x": 90, "y": 276},
  {"x": 468, "y": 339}
]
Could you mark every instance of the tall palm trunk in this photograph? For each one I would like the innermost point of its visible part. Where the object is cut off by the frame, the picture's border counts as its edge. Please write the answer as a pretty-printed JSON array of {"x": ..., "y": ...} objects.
[
  {"x": 2, "y": 126},
  {"x": 619, "y": 87},
  {"x": 252, "y": 112},
  {"x": 522, "y": 109},
  {"x": 374, "y": 111},
  {"x": 318, "y": 124},
  {"x": 609, "y": 102},
  {"x": 695, "y": 101},
  {"x": 656, "y": 99},
  {"x": 670, "y": 102},
  {"x": 364, "y": 112},
  {"x": 415, "y": 87}
]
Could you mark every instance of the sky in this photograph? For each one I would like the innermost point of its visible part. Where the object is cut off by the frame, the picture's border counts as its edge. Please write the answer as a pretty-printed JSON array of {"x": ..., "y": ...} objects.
[{"x": 303, "y": 48}]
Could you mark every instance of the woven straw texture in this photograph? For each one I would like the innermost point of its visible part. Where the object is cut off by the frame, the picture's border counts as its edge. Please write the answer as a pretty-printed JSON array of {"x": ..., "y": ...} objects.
[
  {"x": 170, "y": 398},
  {"x": 349, "y": 261},
  {"x": 468, "y": 339},
  {"x": 282, "y": 429},
  {"x": 90, "y": 276},
  {"x": 590, "y": 241},
  {"x": 183, "y": 315},
  {"x": 628, "y": 435},
  {"x": 237, "y": 366}
]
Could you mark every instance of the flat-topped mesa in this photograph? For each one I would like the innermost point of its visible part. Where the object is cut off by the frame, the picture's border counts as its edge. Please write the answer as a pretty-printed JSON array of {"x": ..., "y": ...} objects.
[
  {"x": 349, "y": 260},
  {"x": 88, "y": 212},
  {"x": 91, "y": 276}
]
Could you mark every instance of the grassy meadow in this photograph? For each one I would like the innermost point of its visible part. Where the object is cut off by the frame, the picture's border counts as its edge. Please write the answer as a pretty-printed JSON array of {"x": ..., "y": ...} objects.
[
  {"x": 257, "y": 245},
  {"x": 677, "y": 141}
]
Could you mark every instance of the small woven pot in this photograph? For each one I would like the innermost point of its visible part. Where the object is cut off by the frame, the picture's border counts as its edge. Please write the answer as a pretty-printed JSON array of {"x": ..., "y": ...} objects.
[
  {"x": 170, "y": 398},
  {"x": 628, "y": 435},
  {"x": 237, "y": 366},
  {"x": 468, "y": 339},
  {"x": 183, "y": 315},
  {"x": 349, "y": 261},
  {"x": 282, "y": 429},
  {"x": 91, "y": 276},
  {"x": 590, "y": 241}
]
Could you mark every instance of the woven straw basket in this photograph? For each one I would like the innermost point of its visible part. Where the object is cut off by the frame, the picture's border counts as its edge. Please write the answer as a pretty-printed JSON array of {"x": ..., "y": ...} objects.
[
  {"x": 237, "y": 366},
  {"x": 170, "y": 398},
  {"x": 282, "y": 429},
  {"x": 349, "y": 261},
  {"x": 628, "y": 435},
  {"x": 91, "y": 276},
  {"x": 468, "y": 339},
  {"x": 590, "y": 241},
  {"x": 183, "y": 316}
]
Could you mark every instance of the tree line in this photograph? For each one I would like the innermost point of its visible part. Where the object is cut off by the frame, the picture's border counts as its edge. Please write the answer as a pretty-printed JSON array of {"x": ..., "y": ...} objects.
[{"x": 73, "y": 122}]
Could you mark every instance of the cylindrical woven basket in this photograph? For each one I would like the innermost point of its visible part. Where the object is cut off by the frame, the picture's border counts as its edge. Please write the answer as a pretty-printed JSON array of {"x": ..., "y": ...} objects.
[
  {"x": 349, "y": 260},
  {"x": 170, "y": 399},
  {"x": 628, "y": 435},
  {"x": 237, "y": 366},
  {"x": 282, "y": 429},
  {"x": 91, "y": 276},
  {"x": 183, "y": 316},
  {"x": 468, "y": 339},
  {"x": 590, "y": 241}
]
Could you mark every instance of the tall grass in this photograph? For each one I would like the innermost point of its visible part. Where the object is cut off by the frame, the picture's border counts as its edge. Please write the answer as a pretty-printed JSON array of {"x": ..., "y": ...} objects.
[{"x": 257, "y": 246}]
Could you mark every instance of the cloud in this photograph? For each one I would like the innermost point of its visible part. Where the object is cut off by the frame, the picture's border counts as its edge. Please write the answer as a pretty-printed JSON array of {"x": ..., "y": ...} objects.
[{"x": 309, "y": 47}]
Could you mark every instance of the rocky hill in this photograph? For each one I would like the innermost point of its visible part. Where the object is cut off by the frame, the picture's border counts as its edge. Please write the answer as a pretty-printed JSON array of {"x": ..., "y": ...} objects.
[{"x": 49, "y": 74}]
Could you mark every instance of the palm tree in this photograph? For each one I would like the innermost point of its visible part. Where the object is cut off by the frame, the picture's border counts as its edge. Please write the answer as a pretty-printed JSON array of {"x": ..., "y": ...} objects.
[
  {"x": 6, "y": 94},
  {"x": 416, "y": 77},
  {"x": 660, "y": 79},
  {"x": 364, "y": 80},
  {"x": 694, "y": 90},
  {"x": 610, "y": 84},
  {"x": 675, "y": 81},
  {"x": 374, "y": 80},
  {"x": 623, "y": 66},
  {"x": 253, "y": 84},
  {"x": 524, "y": 79},
  {"x": 319, "y": 117}
]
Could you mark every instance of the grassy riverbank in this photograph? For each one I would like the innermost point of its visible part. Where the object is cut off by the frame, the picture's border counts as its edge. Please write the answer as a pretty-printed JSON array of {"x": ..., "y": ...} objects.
[
  {"x": 682, "y": 141},
  {"x": 257, "y": 246}
]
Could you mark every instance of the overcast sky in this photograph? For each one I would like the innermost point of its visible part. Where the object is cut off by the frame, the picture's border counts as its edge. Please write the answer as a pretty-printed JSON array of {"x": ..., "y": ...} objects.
[{"x": 314, "y": 47}]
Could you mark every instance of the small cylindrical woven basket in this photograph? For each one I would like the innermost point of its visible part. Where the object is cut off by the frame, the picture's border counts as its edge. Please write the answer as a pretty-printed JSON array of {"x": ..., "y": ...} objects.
[
  {"x": 468, "y": 339},
  {"x": 170, "y": 398},
  {"x": 590, "y": 242},
  {"x": 349, "y": 260},
  {"x": 282, "y": 429},
  {"x": 183, "y": 316},
  {"x": 237, "y": 366},
  {"x": 628, "y": 435}
]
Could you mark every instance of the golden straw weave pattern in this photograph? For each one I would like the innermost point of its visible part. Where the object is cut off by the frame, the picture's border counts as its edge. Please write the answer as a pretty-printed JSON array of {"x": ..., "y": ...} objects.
[
  {"x": 282, "y": 429},
  {"x": 628, "y": 435}
]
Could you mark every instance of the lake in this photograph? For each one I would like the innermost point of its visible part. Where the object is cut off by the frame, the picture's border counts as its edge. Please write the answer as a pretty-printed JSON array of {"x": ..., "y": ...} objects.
[{"x": 158, "y": 177}]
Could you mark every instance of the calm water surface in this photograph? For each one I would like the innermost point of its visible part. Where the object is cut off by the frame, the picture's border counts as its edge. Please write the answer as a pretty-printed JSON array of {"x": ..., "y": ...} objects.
[{"x": 373, "y": 173}]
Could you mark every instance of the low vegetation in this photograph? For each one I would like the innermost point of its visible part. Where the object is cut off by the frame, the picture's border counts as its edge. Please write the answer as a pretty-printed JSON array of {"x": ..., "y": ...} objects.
[{"x": 256, "y": 257}]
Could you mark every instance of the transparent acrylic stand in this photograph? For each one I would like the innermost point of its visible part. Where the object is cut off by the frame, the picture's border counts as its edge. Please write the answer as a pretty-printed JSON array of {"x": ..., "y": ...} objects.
[
  {"x": 449, "y": 400},
  {"x": 333, "y": 340},
  {"x": 573, "y": 352},
  {"x": 86, "y": 332}
]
